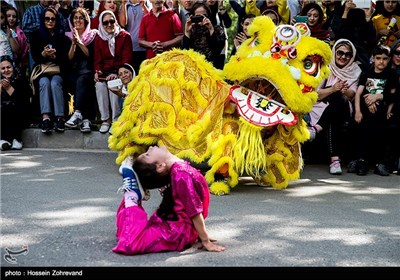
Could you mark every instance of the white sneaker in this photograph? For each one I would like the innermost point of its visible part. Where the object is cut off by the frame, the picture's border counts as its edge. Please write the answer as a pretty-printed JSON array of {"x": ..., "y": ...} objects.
[
  {"x": 105, "y": 127},
  {"x": 128, "y": 162},
  {"x": 85, "y": 126},
  {"x": 74, "y": 121},
  {"x": 16, "y": 145},
  {"x": 335, "y": 168},
  {"x": 5, "y": 145}
]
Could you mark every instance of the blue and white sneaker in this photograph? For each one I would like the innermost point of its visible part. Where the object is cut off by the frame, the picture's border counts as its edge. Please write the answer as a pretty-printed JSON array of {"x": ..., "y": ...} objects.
[
  {"x": 128, "y": 162},
  {"x": 130, "y": 183}
]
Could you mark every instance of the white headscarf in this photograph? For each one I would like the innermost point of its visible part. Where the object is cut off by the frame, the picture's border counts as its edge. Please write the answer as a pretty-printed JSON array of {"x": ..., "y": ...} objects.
[
  {"x": 109, "y": 37},
  {"x": 349, "y": 73}
]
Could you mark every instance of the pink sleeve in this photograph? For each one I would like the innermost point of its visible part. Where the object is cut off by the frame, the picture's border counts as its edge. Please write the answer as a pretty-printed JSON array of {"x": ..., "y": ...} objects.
[{"x": 185, "y": 189}]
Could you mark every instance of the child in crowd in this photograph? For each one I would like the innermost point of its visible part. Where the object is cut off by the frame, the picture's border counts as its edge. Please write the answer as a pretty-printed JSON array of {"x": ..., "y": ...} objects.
[
  {"x": 242, "y": 35},
  {"x": 179, "y": 220},
  {"x": 376, "y": 89}
]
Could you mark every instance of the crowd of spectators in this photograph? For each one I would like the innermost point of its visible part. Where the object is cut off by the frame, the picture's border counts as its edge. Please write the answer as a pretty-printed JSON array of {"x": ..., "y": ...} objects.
[{"x": 88, "y": 45}]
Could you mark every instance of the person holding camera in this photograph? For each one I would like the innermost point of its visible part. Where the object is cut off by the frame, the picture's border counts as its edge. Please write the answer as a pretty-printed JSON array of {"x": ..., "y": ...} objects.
[
  {"x": 203, "y": 36},
  {"x": 126, "y": 74}
]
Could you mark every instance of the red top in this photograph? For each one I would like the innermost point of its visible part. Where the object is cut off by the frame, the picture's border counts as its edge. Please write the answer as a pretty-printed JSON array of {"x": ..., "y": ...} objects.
[
  {"x": 103, "y": 59},
  {"x": 163, "y": 28}
]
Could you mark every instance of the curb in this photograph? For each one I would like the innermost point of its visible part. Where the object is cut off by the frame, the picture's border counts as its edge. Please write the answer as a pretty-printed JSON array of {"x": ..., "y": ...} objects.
[{"x": 69, "y": 139}]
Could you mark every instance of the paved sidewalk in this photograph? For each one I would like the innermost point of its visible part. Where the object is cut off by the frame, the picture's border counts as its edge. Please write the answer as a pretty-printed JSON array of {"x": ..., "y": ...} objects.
[{"x": 61, "y": 204}]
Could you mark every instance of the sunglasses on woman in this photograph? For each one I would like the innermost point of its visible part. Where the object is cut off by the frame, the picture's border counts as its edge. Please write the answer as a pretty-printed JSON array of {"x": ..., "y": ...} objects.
[
  {"x": 107, "y": 22},
  {"x": 345, "y": 54},
  {"x": 49, "y": 18}
]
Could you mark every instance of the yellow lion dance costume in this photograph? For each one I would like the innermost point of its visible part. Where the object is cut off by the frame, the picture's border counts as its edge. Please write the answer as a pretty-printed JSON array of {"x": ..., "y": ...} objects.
[{"x": 253, "y": 127}]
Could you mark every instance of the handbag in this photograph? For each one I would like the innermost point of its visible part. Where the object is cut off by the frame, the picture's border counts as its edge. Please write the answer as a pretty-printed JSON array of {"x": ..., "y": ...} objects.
[{"x": 49, "y": 68}]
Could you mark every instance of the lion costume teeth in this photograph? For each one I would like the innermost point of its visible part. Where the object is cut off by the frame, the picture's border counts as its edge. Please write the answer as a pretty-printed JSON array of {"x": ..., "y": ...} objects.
[{"x": 252, "y": 127}]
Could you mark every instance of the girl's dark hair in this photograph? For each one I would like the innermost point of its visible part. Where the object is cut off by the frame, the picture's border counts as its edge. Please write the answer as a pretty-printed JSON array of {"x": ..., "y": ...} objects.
[
  {"x": 315, "y": 6},
  {"x": 356, "y": 17},
  {"x": 246, "y": 16},
  {"x": 150, "y": 179},
  {"x": 9, "y": 7},
  {"x": 380, "y": 9}
]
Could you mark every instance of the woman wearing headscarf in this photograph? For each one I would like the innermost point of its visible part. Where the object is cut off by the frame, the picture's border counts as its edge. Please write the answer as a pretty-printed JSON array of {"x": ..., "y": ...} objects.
[
  {"x": 80, "y": 55},
  {"x": 104, "y": 5},
  {"x": 113, "y": 48},
  {"x": 315, "y": 21},
  {"x": 15, "y": 96},
  {"x": 49, "y": 44},
  {"x": 126, "y": 73},
  {"x": 335, "y": 94}
]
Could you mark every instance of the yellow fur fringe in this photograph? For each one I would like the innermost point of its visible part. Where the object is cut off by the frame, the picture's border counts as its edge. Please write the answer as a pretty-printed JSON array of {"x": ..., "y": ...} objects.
[{"x": 250, "y": 150}]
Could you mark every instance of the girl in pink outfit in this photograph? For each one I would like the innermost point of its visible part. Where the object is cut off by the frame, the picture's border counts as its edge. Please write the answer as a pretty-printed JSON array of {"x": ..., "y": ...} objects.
[{"x": 179, "y": 220}]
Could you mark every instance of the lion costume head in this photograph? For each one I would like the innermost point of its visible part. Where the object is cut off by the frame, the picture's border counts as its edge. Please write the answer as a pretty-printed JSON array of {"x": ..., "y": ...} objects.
[{"x": 246, "y": 119}]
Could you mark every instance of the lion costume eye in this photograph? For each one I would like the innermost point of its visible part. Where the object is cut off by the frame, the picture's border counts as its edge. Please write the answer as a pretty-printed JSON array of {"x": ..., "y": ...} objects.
[{"x": 312, "y": 65}]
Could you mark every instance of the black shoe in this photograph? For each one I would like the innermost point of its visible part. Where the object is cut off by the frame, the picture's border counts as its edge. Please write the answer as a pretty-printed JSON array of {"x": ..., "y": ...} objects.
[
  {"x": 362, "y": 168},
  {"x": 47, "y": 126},
  {"x": 59, "y": 125},
  {"x": 381, "y": 170},
  {"x": 352, "y": 167}
]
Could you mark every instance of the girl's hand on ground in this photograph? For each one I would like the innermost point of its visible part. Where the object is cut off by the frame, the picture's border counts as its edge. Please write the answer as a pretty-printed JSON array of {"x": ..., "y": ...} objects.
[{"x": 208, "y": 245}]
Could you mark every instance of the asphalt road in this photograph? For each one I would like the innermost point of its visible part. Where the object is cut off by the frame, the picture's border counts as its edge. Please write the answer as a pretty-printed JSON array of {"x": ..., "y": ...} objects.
[{"x": 58, "y": 207}]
